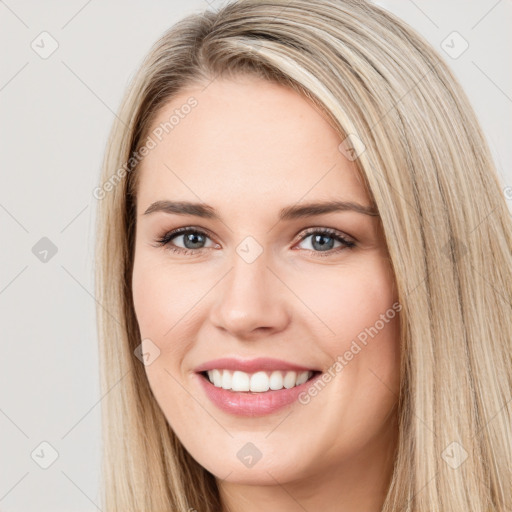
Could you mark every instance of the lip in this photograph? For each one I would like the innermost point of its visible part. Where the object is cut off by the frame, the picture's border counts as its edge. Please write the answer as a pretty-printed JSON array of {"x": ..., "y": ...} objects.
[
  {"x": 251, "y": 365},
  {"x": 247, "y": 403}
]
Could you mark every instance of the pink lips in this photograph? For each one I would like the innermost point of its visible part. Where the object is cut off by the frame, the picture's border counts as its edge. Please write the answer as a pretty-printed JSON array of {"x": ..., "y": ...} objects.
[
  {"x": 247, "y": 403},
  {"x": 252, "y": 365}
]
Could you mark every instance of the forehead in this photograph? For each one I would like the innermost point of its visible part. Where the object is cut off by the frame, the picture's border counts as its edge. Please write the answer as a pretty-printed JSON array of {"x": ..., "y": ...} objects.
[{"x": 247, "y": 143}]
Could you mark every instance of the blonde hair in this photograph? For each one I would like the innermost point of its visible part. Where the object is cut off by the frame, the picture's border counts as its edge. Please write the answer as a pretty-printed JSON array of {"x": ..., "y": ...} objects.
[{"x": 429, "y": 173}]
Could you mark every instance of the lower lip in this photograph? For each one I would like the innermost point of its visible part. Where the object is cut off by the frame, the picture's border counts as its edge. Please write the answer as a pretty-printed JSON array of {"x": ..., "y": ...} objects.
[{"x": 248, "y": 403}]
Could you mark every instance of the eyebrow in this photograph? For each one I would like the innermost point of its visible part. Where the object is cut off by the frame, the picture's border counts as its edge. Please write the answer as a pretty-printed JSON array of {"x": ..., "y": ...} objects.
[{"x": 288, "y": 213}]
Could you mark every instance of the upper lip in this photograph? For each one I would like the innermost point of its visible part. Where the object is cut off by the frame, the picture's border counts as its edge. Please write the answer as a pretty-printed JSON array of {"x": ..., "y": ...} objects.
[{"x": 251, "y": 365}]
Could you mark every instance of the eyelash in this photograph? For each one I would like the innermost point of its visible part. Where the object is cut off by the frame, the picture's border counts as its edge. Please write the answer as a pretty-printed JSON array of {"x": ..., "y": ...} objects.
[{"x": 166, "y": 239}]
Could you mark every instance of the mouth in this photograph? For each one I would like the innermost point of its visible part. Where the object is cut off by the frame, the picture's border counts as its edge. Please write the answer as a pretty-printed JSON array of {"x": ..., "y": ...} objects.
[
  {"x": 236, "y": 381},
  {"x": 256, "y": 394}
]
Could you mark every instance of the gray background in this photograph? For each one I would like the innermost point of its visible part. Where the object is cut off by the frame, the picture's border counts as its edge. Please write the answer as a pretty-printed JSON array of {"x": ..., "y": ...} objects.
[{"x": 55, "y": 116}]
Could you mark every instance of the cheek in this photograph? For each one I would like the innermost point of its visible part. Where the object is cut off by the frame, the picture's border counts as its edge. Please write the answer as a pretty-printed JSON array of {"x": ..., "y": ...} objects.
[
  {"x": 159, "y": 304},
  {"x": 359, "y": 315},
  {"x": 157, "y": 309},
  {"x": 351, "y": 299},
  {"x": 363, "y": 352},
  {"x": 160, "y": 297},
  {"x": 166, "y": 307}
]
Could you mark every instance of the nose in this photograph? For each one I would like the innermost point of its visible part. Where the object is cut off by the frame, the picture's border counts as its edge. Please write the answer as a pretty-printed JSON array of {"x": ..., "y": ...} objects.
[{"x": 250, "y": 300}]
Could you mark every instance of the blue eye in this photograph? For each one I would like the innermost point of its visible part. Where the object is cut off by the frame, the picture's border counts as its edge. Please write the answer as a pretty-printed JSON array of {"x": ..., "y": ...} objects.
[
  {"x": 192, "y": 238},
  {"x": 322, "y": 241}
]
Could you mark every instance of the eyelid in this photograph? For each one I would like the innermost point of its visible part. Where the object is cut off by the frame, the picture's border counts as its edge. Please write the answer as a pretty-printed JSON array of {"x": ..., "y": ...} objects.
[
  {"x": 170, "y": 235},
  {"x": 304, "y": 232}
]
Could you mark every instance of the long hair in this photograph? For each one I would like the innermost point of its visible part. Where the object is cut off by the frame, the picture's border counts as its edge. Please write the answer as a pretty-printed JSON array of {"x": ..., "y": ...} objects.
[{"x": 422, "y": 155}]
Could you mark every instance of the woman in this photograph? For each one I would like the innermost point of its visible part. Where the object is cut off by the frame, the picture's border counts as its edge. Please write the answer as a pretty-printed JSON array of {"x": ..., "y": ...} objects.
[{"x": 304, "y": 267}]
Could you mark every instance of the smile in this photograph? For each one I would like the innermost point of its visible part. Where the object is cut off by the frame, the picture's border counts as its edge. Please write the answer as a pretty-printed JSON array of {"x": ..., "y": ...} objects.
[{"x": 255, "y": 403}]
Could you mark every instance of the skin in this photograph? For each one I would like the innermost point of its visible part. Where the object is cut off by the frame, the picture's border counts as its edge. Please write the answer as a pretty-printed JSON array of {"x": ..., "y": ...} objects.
[{"x": 248, "y": 149}]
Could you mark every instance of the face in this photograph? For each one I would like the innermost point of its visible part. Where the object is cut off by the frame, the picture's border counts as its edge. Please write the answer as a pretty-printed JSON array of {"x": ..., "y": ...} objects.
[{"x": 251, "y": 273}]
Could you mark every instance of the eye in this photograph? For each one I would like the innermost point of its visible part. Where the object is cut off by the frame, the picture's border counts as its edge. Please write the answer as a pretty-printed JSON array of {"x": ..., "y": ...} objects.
[
  {"x": 322, "y": 240},
  {"x": 193, "y": 240}
]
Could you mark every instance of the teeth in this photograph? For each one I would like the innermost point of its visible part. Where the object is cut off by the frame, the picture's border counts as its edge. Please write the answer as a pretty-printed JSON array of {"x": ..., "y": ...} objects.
[
  {"x": 276, "y": 380},
  {"x": 240, "y": 381},
  {"x": 216, "y": 377},
  {"x": 226, "y": 381},
  {"x": 258, "y": 382},
  {"x": 303, "y": 377},
  {"x": 289, "y": 379}
]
